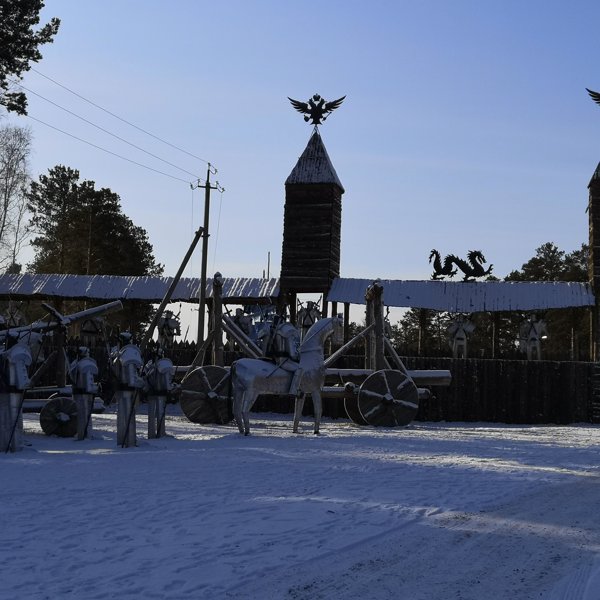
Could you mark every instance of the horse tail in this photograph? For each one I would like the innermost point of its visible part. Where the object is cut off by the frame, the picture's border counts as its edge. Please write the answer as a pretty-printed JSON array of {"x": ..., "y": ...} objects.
[{"x": 230, "y": 386}]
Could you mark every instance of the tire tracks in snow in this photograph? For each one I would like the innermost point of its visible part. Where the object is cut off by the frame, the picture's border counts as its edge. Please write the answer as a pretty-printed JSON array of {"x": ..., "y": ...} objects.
[{"x": 542, "y": 544}]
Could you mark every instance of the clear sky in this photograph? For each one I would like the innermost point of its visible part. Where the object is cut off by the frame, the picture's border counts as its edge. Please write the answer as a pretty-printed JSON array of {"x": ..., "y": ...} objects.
[{"x": 466, "y": 123}]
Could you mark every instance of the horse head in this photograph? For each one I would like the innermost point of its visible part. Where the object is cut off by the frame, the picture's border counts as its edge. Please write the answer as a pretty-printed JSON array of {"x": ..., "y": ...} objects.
[{"x": 320, "y": 331}]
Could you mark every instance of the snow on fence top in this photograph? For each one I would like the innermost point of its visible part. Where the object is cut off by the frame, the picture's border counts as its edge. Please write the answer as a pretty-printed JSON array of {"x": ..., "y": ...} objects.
[{"x": 467, "y": 296}]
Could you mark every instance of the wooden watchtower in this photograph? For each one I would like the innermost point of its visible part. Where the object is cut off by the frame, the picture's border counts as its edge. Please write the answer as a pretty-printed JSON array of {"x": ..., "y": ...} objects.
[
  {"x": 312, "y": 221},
  {"x": 594, "y": 259}
]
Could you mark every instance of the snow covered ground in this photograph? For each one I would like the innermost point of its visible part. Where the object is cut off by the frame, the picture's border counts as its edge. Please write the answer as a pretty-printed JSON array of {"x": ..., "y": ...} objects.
[{"x": 432, "y": 511}]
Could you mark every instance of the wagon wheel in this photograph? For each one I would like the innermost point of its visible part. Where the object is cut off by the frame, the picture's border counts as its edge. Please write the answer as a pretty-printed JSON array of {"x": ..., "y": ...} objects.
[
  {"x": 351, "y": 406},
  {"x": 388, "y": 398},
  {"x": 59, "y": 417},
  {"x": 205, "y": 396}
]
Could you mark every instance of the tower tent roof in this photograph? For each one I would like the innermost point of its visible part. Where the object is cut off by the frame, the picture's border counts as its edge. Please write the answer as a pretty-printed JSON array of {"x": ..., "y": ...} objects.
[
  {"x": 314, "y": 166},
  {"x": 596, "y": 176}
]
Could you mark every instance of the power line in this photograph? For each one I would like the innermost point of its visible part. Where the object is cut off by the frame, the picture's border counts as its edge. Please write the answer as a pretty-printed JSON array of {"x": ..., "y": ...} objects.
[
  {"x": 64, "y": 87},
  {"x": 105, "y": 130},
  {"x": 108, "y": 151}
]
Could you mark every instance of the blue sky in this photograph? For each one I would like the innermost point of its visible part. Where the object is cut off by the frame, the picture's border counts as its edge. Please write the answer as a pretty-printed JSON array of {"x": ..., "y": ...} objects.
[{"x": 466, "y": 123}]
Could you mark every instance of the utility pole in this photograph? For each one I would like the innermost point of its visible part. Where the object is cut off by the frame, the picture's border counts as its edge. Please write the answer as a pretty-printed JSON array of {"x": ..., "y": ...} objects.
[{"x": 202, "y": 294}]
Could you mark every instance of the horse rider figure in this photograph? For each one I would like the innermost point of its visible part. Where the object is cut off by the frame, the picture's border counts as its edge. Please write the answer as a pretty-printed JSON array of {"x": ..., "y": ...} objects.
[
  {"x": 281, "y": 344},
  {"x": 246, "y": 324}
]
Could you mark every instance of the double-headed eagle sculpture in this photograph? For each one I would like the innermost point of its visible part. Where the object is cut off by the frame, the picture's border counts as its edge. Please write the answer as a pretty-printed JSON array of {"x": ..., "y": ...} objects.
[
  {"x": 595, "y": 96},
  {"x": 316, "y": 110}
]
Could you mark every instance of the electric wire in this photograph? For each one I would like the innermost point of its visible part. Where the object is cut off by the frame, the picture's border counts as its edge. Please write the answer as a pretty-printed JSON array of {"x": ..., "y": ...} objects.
[
  {"x": 108, "y": 151},
  {"x": 198, "y": 179},
  {"x": 105, "y": 130},
  {"x": 64, "y": 87}
]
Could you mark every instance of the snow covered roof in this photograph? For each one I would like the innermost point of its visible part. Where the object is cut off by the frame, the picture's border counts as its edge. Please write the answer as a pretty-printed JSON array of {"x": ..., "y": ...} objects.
[
  {"x": 314, "y": 165},
  {"x": 451, "y": 296},
  {"x": 112, "y": 287},
  {"x": 459, "y": 296}
]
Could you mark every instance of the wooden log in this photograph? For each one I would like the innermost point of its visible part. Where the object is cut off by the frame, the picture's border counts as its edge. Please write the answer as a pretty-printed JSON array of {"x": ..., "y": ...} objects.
[{"x": 217, "y": 318}]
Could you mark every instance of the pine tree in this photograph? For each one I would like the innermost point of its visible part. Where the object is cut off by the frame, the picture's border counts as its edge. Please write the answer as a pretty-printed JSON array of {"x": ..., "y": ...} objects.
[
  {"x": 568, "y": 328},
  {"x": 19, "y": 46},
  {"x": 83, "y": 231}
]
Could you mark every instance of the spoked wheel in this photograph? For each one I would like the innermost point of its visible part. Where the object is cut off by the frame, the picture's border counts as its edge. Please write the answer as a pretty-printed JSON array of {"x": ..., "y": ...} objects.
[
  {"x": 205, "y": 396},
  {"x": 59, "y": 417},
  {"x": 351, "y": 407},
  {"x": 388, "y": 398}
]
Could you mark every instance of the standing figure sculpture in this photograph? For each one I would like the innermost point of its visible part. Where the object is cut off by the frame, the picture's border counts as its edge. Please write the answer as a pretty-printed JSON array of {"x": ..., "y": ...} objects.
[
  {"x": 307, "y": 316},
  {"x": 169, "y": 326},
  {"x": 252, "y": 377},
  {"x": 532, "y": 332},
  {"x": 459, "y": 330}
]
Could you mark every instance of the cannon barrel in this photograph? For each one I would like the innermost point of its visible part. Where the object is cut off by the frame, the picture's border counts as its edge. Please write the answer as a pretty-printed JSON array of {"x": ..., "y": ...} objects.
[
  {"x": 65, "y": 320},
  {"x": 421, "y": 377},
  {"x": 336, "y": 391}
]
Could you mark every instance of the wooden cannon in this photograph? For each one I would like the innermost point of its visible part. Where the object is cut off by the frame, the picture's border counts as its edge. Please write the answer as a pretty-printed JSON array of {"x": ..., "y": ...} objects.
[{"x": 383, "y": 394}]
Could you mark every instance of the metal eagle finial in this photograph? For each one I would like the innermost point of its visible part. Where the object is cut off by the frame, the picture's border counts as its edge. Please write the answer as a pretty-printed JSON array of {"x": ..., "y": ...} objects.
[
  {"x": 595, "y": 96},
  {"x": 316, "y": 110}
]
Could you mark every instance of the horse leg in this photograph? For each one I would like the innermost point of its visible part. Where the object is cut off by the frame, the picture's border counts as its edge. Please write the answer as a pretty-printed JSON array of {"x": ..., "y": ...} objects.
[
  {"x": 238, "y": 399},
  {"x": 247, "y": 402},
  {"x": 299, "y": 405},
  {"x": 318, "y": 409}
]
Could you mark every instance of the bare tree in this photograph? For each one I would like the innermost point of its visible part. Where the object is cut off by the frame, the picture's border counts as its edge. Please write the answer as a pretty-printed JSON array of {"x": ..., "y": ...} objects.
[{"x": 15, "y": 146}]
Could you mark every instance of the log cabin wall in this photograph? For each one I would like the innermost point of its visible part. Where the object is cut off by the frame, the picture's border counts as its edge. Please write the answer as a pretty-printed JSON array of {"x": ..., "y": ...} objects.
[
  {"x": 594, "y": 275},
  {"x": 312, "y": 222},
  {"x": 594, "y": 222}
]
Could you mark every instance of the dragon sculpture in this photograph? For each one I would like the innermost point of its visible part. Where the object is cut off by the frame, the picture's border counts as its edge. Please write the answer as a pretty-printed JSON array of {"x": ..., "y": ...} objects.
[
  {"x": 472, "y": 267},
  {"x": 316, "y": 110},
  {"x": 440, "y": 271}
]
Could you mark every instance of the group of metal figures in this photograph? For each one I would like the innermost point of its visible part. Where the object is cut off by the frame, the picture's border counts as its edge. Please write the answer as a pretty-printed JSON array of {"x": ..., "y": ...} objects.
[
  {"x": 287, "y": 360},
  {"x": 68, "y": 411},
  {"x": 532, "y": 332}
]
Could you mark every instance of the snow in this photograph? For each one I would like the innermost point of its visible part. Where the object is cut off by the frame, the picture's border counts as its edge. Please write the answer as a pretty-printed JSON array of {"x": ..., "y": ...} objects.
[{"x": 430, "y": 511}]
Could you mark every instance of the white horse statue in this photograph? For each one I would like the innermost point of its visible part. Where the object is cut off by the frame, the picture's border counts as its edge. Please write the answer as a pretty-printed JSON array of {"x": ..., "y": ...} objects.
[{"x": 253, "y": 377}]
